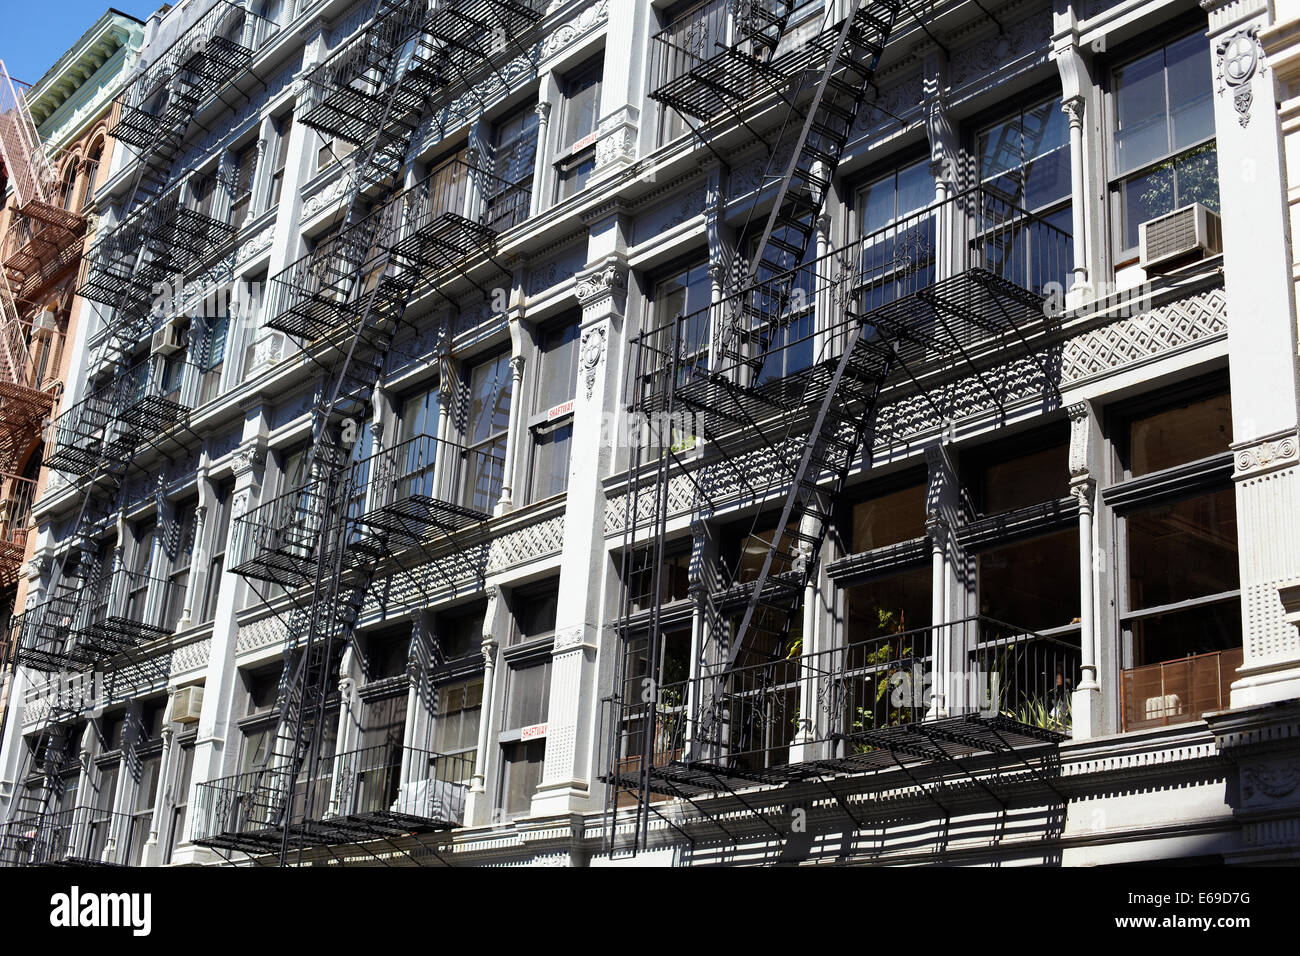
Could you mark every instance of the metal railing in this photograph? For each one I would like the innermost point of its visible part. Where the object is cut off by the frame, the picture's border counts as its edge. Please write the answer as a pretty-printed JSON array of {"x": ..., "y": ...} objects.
[
  {"x": 431, "y": 468},
  {"x": 432, "y": 226},
  {"x": 1177, "y": 691},
  {"x": 16, "y": 511},
  {"x": 822, "y": 709},
  {"x": 83, "y": 836},
  {"x": 359, "y": 793},
  {"x": 897, "y": 278}
]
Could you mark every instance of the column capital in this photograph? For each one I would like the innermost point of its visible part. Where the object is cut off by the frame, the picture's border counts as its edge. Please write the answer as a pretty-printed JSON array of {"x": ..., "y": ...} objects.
[
  {"x": 1073, "y": 109},
  {"x": 543, "y": 110}
]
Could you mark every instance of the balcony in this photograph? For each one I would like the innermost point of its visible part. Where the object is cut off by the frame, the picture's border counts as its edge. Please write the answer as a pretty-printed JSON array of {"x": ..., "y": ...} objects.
[
  {"x": 426, "y": 485},
  {"x": 372, "y": 267},
  {"x": 15, "y": 524},
  {"x": 84, "y": 836},
  {"x": 193, "y": 69},
  {"x": 373, "y": 793},
  {"x": 157, "y": 241},
  {"x": 934, "y": 294},
  {"x": 854, "y": 709},
  {"x": 84, "y": 435},
  {"x": 1178, "y": 691},
  {"x": 85, "y": 625},
  {"x": 277, "y": 541},
  {"x": 700, "y": 75},
  {"x": 155, "y": 398},
  {"x": 47, "y": 238}
]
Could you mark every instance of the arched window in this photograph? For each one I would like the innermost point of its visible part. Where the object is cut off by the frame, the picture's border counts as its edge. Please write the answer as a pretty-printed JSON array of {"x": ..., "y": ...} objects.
[
  {"x": 68, "y": 188},
  {"x": 92, "y": 171}
]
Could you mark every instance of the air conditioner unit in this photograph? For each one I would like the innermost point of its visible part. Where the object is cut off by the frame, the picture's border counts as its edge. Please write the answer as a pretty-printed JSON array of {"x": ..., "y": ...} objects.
[
  {"x": 187, "y": 704},
  {"x": 45, "y": 322},
  {"x": 168, "y": 340},
  {"x": 1180, "y": 235}
]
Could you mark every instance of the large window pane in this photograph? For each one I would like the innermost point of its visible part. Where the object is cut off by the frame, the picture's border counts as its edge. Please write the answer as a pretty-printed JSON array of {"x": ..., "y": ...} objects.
[
  {"x": 1032, "y": 584},
  {"x": 900, "y": 602},
  {"x": 1178, "y": 435},
  {"x": 889, "y": 519},
  {"x": 528, "y": 696},
  {"x": 1141, "y": 119},
  {"x": 1182, "y": 550},
  {"x": 1191, "y": 90}
]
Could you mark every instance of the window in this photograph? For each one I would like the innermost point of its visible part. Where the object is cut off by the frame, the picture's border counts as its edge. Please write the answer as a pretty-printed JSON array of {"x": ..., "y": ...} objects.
[
  {"x": 241, "y": 191},
  {"x": 68, "y": 188},
  {"x": 179, "y": 546},
  {"x": 674, "y": 581},
  {"x": 1025, "y": 160},
  {"x": 528, "y": 691},
  {"x": 331, "y": 150},
  {"x": 101, "y": 811},
  {"x": 91, "y": 172},
  {"x": 419, "y": 414},
  {"x": 180, "y": 799},
  {"x": 387, "y": 653},
  {"x": 222, "y": 497},
  {"x": 889, "y": 518},
  {"x": 898, "y": 246},
  {"x": 211, "y": 357},
  {"x": 1198, "y": 429},
  {"x": 577, "y": 146},
  {"x": 551, "y": 424},
  {"x": 146, "y": 795},
  {"x": 204, "y": 188},
  {"x": 284, "y": 130},
  {"x": 460, "y": 632},
  {"x": 1163, "y": 128},
  {"x": 137, "y": 585},
  {"x": 485, "y": 432},
  {"x": 683, "y": 294},
  {"x": 384, "y": 721},
  {"x": 1032, "y": 584},
  {"x": 534, "y": 611},
  {"x": 1018, "y": 472},
  {"x": 458, "y": 708},
  {"x": 509, "y": 191},
  {"x": 1025, "y": 165},
  {"x": 895, "y": 602}
]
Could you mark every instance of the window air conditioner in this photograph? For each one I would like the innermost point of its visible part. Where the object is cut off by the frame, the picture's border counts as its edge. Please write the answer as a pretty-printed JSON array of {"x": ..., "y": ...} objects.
[
  {"x": 1180, "y": 235},
  {"x": 168, "y": 340},
  {"x": 187, "y": 704}
]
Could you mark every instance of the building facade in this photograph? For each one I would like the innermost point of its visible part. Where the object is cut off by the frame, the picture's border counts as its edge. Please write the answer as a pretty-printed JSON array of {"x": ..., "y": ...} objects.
[
  {"x": 55, "y": 146},
  {"x": 631, "y": 433}
]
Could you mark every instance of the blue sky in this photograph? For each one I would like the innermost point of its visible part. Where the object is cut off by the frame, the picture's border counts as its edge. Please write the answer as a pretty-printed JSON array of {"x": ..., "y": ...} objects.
[{"x": 35, "y": 33}]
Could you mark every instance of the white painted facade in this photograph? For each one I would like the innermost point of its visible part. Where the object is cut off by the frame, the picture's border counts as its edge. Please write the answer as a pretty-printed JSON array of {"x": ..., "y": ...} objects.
[{"x": 1129, "y": 347}]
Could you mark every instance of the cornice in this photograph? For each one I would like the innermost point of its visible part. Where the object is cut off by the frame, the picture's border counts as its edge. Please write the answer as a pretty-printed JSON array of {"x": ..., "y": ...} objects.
[{"x": 80, "y": 64}]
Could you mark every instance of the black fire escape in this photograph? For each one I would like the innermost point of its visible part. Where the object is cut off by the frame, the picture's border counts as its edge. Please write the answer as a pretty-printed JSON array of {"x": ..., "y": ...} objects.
[
  {"x": 99, "y": 636},
  {"x": 782, "y": 380},
  {"x": 356, "y": 519}
]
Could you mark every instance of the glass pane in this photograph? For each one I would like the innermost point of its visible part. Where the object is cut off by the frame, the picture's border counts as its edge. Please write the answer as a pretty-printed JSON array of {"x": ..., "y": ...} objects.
[
  {"x": 558, "y": 375},
  {"x": 1197, "y": 630},
  {"x": 889, "y": 605},
  {"x": 420, "y": 414},
  {"x": 1191, "y": 89},
  {"x": 551, "y": 462},
  {"x": 1032, "y": 584},
  {"x": 1177, "y": 435},
  {"x": 1182, "y": 550},
  {"x": 1141, "y": 122},
  {"x": 523, "y": 772},
  {"x": 529, "y": 695},
  {"x": 1145, "y": 197},
  {"x": 1047, "y": 155},
  {"x": 489, "y": 403},
  {"x": 889, "y": 519},
  {"x": 1026, "y": 480},
  {"x": 1198, "y": 177}
]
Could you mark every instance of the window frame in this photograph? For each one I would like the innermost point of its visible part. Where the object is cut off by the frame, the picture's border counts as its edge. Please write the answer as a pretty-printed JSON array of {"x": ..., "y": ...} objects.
[{"x": 1181, "y": 29}]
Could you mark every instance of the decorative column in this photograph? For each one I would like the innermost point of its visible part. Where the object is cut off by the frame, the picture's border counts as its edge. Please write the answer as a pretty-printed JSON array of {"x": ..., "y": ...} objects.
[
  {"x": 221, "y": 678},
  {"x": 1085, "y": 705},
  {"x": 513, "y": 437},
  {"x": 162, "y": 795},
  {"x": 539, "y": 162},
  {"x": 936, "y": 529},
  {"x": 942, "y": 514},
  {"x": 1261, "y": 346},
  {"x": 1077, "y": 89},
  {"x": 602, "y": 293},
  {"x": 477, "y": 804}
]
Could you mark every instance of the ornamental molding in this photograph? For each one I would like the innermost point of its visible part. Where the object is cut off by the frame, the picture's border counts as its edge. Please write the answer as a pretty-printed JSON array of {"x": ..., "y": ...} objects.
[
  {"x": 591, "y": 352},
  {"x": 249, "y": 457},
  {"x": 605, "y": 281},
  {"x": 1238, "y": 57},
  {"x": 1272, "y": 780},
  {"x": 1269, "y": 454}
]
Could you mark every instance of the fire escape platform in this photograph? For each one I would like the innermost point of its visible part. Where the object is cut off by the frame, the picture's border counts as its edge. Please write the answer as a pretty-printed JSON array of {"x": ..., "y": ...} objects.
[
  {"x": 412, "y": 515},
  {"x": 449, "y": 239},
  {"x": 935, "y": 742}
]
